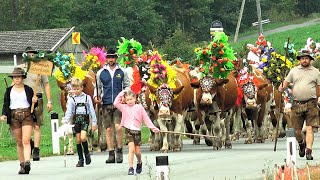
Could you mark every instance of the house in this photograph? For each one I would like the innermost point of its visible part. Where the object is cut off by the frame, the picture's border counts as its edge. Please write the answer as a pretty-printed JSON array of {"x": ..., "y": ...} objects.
[{"x": 14, "y": 43}]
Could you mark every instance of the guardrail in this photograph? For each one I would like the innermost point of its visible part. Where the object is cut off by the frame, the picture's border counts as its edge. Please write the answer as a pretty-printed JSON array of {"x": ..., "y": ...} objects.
[{"x": 266, "y": 21}]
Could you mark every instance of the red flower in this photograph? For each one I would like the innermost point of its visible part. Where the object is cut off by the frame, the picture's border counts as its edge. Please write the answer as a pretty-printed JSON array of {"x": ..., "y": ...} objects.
[
  {"x": 221, "y": 52},
  {"x": 221, "y": 45},
  {"x": 214, "y": 45},
  {"x": 128, "y": 62},
  {"x": 131, "y": 51},
  {"x": 220, "y": 61},
  {"x": 204, "y": 52},
  {"x": 222, "y": 69},
  {"x": 214, "y": 58}
]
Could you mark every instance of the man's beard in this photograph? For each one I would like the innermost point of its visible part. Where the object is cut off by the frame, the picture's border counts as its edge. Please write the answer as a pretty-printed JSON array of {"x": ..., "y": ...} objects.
[
  {"x": 111, "y": 63},
  {"x": 305, "y": 64}
]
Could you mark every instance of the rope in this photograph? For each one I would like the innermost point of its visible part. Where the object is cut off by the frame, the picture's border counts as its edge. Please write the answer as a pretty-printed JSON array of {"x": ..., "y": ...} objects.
[{"x": 190, "y": 134}]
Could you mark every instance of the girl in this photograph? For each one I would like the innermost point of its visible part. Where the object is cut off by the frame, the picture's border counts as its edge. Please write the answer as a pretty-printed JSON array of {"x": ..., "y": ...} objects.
[
  {"x": 18, "y": 99},
  {"x": 132, "y": 116},
  {"x": 80, "y": 107}
]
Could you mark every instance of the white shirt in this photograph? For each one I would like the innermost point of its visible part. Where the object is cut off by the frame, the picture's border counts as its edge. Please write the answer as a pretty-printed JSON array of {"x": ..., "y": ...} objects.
[{"x": 18, "y": 100}]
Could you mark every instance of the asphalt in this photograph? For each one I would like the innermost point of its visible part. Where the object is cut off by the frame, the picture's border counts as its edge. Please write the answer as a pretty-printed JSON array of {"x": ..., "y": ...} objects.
[{"x": 243, "y": 161}]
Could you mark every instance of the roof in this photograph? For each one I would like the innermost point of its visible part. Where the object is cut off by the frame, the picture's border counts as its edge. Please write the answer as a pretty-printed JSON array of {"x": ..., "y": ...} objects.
[{"x": 43, "y": 39}]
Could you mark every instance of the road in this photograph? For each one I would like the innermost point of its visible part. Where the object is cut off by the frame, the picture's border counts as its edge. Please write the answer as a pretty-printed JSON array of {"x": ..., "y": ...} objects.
[{"x": 243, "y": 161}]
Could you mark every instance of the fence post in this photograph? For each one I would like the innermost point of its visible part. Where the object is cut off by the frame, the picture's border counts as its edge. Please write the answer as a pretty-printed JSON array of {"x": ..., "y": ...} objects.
[
  {"x": 162, "y": 168},
  {"x": 55, "y": 133},
  {"x": 291, "y": 147}
]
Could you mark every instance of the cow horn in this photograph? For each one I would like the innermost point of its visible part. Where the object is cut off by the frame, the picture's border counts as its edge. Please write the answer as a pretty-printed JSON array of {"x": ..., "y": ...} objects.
[
  {"x": 177, "y": 90},
  {"x": 152, "y": 89},
  {"x": 220, "y": 82}
]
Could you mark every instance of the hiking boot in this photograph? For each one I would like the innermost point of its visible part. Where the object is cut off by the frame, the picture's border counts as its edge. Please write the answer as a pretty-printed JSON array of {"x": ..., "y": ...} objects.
[
  {"x": 111, "y": 158},
  {"x": 302, "y": 149},
  {"x": 119, "y": 155},
  {"x": 88, "y": 159},
  {"x": 21, "y": 171},
  {"x": 27, "y": 167},
  {"x": 131, "y": 171},
  {"x": 36, "y": 154},
  {"x": 80, "y": 163},
  {"x": 139, "y": 168},
  {"x": 308, "y": 154}
]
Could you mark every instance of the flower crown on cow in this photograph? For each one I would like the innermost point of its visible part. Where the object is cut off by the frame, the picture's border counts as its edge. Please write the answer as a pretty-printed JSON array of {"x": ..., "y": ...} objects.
[
  {"x": 128, "y": 51},
  {"x": 94, "y": 60},
  {"x": 217, "y": 58}
]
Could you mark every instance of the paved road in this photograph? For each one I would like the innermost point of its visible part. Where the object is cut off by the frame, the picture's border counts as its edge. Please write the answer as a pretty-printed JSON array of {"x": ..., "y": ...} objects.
[
  {"x": 284, "y": 28},
  {"x": 194, "y": 162}
]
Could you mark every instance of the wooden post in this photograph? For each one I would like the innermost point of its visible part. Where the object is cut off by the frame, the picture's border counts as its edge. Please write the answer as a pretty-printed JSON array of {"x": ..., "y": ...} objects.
[
  {"x": 259, "y": 17},
  {"x": 35, "y": 89},
  {"x": 239, "y": 21}
]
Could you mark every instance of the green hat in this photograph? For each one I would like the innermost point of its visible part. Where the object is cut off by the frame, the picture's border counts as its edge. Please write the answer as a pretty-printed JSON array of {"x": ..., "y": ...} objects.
[{"x": 303, "y": 53}]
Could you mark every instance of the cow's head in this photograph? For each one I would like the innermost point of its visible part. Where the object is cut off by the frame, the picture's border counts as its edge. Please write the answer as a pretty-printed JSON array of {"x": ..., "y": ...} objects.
[
  {"x": 164, "y": 98},
  {"x": 250, "y": 94},
  {"x": 208, "y": 88}
]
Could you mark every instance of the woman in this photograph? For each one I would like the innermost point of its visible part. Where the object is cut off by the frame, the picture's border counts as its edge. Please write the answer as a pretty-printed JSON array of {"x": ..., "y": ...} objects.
[{"x": 16, "y": 110}]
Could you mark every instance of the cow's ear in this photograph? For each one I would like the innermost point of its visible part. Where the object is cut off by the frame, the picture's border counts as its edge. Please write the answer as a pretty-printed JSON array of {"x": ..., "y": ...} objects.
[
  {"x": 220, "y": 82},
  {"x": 195, "y": 83},
  {"x": 177, "y": 90},
  {"x": 261, "y": 86},
  {"x": 152, "y": 89}
]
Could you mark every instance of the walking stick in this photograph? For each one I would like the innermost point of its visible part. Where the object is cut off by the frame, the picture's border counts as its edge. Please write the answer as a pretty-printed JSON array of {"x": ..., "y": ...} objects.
[
  {"x": 190, "y": 134},
  {"x": 280, "y": 102},
  {"x": 65, "y": 149}
]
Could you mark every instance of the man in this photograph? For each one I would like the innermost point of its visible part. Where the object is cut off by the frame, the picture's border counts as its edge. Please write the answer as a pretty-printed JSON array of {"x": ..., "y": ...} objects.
[
  {"x": 38, "y": 111},
  {"x": 111, "y": 80},
  {"x": 306, "y": 83}
]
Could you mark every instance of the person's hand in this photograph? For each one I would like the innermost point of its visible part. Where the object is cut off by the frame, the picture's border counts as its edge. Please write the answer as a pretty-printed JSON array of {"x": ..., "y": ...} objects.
[
  {"x": 281, "y": 89},
  {"x": 3, "y": 118},
  {"x": 318, "y": 100},
  {"x": 156, "y": 131},
  {"x": 35, "y": 99},
  {"x": 94, "y": 128},
  {"x": 49, "y": 106},
  {"x": 97, "y": 100}
]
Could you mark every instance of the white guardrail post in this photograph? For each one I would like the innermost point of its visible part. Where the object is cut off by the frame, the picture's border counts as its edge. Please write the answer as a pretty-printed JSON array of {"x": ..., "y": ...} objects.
[
  {"x": 55, "y": 133},
  {"x": 162, "y": 168},
  {"x": 291, "y": 147}
]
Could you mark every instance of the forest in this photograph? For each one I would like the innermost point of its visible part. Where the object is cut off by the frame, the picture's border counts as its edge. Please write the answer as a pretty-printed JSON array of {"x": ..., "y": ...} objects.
[{"x": 155, "y": 23}]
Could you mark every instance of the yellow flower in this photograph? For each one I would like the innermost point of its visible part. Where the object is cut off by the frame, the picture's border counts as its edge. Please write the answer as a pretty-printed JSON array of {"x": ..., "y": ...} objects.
[
  {"x": 264, "y": 60},
  {"x": 282, "y": 65},
  {"x": 278, "y": 70},
  {"x": 265, "y": 69},
  {"x": 197, "y": 49},
  {"x": 95, "y": 58},
  {"x": 272, "y": 64},
  {"x": 269, "y": 73},
  {"x": 278, "y": 78}
]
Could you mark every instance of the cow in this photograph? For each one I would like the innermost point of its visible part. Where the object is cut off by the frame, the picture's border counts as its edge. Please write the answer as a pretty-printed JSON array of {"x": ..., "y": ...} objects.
[
  {"x": 216, "y": 98},
  {"x": 88, "y": 88},
  {"x": 170, "y": 108},
  {"x": 257, "y": 100}
]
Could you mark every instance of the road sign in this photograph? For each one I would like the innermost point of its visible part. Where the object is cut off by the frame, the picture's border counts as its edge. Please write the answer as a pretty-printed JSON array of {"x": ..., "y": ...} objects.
[{"x": 76, "y": 38}]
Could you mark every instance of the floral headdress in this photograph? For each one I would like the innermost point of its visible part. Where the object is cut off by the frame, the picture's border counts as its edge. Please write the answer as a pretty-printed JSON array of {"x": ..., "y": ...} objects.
[
  {"x": 94, "y": 60},
  {"x": 128, "y": 51},
  {"x": 216, "y": 59}
]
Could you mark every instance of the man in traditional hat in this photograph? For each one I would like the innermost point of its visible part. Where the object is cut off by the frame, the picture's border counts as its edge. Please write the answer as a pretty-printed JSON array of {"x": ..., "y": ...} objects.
[
  {"x": 111, "y": 80},
  {"x": 43, "y": 84},
  {"x": 306, "y": 82}
]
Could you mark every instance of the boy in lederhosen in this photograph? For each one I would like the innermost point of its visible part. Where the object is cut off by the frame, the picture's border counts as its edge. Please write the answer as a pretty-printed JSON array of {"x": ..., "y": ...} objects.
[{"x": 80, "y": 106}]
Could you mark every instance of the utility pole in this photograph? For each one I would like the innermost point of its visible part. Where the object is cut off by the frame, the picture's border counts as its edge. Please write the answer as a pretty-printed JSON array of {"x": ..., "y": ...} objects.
[
  {"x": 259, "y": 16},
  {"x": 239, "y": 21}
]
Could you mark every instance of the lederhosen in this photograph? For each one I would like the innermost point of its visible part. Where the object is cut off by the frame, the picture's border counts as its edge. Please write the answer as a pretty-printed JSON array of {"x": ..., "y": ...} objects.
[{"x": 80, "y": 121}]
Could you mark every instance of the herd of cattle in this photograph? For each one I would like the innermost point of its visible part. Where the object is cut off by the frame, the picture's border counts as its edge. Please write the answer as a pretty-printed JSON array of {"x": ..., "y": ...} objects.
[{"x": 219, "y": 110}]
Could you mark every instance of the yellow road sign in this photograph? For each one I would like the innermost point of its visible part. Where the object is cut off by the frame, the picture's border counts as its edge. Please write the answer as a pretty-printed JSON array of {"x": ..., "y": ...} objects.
[{"x": 76, "y": 38}]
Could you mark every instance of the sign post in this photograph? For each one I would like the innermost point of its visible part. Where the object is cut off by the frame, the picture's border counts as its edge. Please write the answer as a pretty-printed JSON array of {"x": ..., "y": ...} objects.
[
  {"x": 43, "y": 67},
  {"x": 55, "y": 133},
  {"x": 76, "y": 38}
]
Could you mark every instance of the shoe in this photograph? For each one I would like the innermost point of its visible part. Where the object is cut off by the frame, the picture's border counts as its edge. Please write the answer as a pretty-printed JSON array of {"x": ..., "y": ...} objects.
[
  {"x": 27, "y": 167},
  {"x": 21, "y": 171},
  {"x": 36, "y": 154},
  {"x": 309, "y": 152},
  {"x": 302, "y": 149},
  {"x": 80, "y": 163},
  {"x": 139, "y": 168},
  {"x": 131, "y": 171},
  {"x": 111, "y": 158},
  {"x": 119, "y": 155},
  {"x": 88, "y": 159}
]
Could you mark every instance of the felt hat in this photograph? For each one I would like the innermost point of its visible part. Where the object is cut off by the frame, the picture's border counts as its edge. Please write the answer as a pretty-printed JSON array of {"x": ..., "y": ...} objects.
[
  {"x": 17, "y": 71},
  {"x": 29, "y": 49},
  {"x": 112, "y": 53},
  {"x": 304, "y": 53}
]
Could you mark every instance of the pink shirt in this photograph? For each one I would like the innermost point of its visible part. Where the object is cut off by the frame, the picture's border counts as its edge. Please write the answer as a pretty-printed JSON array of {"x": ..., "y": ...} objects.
[{"x": 133, "y": 114}]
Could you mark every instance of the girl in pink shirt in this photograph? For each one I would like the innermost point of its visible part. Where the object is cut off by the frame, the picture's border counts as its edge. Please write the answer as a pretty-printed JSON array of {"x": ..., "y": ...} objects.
[{"x": 132, "y": 116}]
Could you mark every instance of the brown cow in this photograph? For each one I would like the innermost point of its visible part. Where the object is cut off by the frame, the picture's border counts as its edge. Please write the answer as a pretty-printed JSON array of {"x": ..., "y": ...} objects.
[
  {"x": 256, "y": 105},
  {"x": 171, "y": 107},
  {"x": 216, "y": 98}
]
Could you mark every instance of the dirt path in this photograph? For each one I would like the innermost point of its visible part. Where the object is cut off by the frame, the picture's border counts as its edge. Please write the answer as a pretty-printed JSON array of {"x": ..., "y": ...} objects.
[{"x": 284, "y": 28}]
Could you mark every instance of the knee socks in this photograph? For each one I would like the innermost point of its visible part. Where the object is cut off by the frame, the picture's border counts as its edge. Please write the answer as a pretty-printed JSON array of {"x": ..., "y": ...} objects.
[
  {"x": 80, "y": 152},
  {"x": 85, "y": 147}
]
